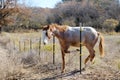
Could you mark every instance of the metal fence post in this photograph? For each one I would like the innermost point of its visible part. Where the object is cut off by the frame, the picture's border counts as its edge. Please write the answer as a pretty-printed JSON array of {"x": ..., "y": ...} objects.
[
  {"x": 53, "y": 49},
  {"x": 80, "y": 47}
]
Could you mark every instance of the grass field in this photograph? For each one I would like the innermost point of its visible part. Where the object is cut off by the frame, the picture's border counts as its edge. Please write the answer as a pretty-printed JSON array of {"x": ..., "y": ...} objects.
[{"x": 28, "y": 64}]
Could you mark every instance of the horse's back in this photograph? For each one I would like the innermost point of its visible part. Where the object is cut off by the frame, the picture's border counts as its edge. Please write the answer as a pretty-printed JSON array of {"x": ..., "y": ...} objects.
[
  {"x": 72, "y": 35},
  {"x": 75, "y": 31},
  {"x": 91, "y": 35}
]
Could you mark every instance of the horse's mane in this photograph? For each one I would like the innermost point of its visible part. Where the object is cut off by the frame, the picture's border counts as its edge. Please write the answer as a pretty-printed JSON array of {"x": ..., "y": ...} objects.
[{"x": 61, "y": 28}]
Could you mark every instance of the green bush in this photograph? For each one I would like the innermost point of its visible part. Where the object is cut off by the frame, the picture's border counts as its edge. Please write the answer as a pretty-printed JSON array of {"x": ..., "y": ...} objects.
[{"x": 48, "y": 47}]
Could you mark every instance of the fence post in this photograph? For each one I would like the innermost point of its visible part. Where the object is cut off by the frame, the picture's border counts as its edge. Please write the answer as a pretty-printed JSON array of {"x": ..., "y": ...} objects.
[
  {"x": 53, "y": 49},
  {"x": 80, "y": 47},
  {"x": 19, "y": 46},
  {"x": 30, "y": 44},
  {"x": 39, "y": 45},
  {"x": 14, "y": 44},
  {"x": 24, "y": 46}
]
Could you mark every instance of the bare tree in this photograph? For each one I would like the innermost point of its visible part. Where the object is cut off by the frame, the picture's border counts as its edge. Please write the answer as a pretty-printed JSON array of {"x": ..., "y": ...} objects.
[{"x": 7, "y": 8}]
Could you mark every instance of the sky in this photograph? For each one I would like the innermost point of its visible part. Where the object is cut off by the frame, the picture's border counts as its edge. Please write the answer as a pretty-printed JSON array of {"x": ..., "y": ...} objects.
[{"x": 42, "y": 3}]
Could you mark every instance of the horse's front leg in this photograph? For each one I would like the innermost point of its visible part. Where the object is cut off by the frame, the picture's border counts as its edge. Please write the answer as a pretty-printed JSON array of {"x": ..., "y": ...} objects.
[
  {"x": 66, "y": 48},
  {"x": 63, "y": 61},
  {"x": 66, "y": 51}
]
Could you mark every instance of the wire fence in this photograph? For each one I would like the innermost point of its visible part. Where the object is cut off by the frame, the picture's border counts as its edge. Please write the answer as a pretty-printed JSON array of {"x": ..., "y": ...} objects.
[{"x": 50, "y": 53}]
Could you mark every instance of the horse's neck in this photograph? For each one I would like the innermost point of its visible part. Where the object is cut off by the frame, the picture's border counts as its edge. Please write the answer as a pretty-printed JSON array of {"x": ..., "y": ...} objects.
[
  {"x": 59, "y": 31},
  {"x": 58, "y": 34},
  {"x": 61, "y": 28}
]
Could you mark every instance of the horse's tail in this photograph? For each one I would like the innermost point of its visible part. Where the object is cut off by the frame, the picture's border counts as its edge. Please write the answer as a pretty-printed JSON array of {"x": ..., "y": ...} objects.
[{"x": 101, "y": 47}]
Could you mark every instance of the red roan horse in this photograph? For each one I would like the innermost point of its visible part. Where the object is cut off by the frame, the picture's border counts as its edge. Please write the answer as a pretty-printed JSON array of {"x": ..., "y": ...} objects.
[{"x": 70, "y": 36}]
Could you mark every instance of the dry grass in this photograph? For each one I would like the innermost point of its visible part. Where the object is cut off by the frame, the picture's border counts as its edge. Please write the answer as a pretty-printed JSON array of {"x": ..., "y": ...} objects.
[
  {"x": 10, "y": 66},
  {"x": 28, "y": 64},
  {"x": 119, "y": 65},
  {"x": 11, "y": 62}
]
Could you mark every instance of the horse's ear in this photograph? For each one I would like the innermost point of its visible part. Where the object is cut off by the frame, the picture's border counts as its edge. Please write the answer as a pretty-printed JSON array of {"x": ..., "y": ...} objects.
[
  {"x": 46, "y": 27},
  {"x": 54, "y": 24}
]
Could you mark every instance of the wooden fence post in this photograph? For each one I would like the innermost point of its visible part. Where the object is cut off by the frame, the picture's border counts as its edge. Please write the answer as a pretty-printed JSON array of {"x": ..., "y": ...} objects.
[
  {"x": 14, "y": 44},
  {"x": 39, "y": 45},
  {"x": 19, "y": 46},
  {"x": 30, "y": 44},
  {"x": 24, "y": 46}
]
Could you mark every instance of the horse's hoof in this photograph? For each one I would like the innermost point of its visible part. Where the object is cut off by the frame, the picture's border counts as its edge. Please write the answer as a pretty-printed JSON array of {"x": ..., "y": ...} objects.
[
  {"x": 62, "y": 71},
  {"x": 77, "y": 49},
  {"x": 93, "y": 62},
  {"x": 83, "y": 69},
  {"x": 67, "y": 51}
]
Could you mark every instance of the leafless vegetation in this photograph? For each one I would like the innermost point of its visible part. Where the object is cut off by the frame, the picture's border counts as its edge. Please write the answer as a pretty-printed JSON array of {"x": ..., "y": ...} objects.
[{"x": 70, "y": 12}]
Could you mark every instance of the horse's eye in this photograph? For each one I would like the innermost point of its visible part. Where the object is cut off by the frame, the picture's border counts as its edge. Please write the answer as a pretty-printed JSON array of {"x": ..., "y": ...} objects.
[
  {"x": 50, "y": 29},
  {"x": 46, "y": 33}
]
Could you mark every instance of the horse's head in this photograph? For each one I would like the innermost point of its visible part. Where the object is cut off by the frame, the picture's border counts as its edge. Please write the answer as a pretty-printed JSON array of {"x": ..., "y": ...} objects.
[{"x": 48, "y": 32}]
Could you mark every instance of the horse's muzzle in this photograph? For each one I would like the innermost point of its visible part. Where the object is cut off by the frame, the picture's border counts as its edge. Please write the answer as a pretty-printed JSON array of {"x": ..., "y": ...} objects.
[{"x": 44, "y": 43}]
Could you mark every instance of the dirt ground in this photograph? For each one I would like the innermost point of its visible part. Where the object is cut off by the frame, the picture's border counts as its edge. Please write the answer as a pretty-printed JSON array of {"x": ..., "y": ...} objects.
[{"x": 106, "y": 68}]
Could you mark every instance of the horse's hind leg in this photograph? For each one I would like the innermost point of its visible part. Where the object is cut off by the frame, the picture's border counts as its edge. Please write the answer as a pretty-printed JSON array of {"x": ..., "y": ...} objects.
[
  {"x": 90, "y": 57},
  {"x": 86, "y": 60},
  {"x": 92, "y": 53}
]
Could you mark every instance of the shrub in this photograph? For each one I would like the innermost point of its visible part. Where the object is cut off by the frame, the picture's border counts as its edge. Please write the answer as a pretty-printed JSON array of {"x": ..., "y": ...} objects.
[
  {"x": 110, "y": 24},
  {"x": 117, "y": 29}
]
